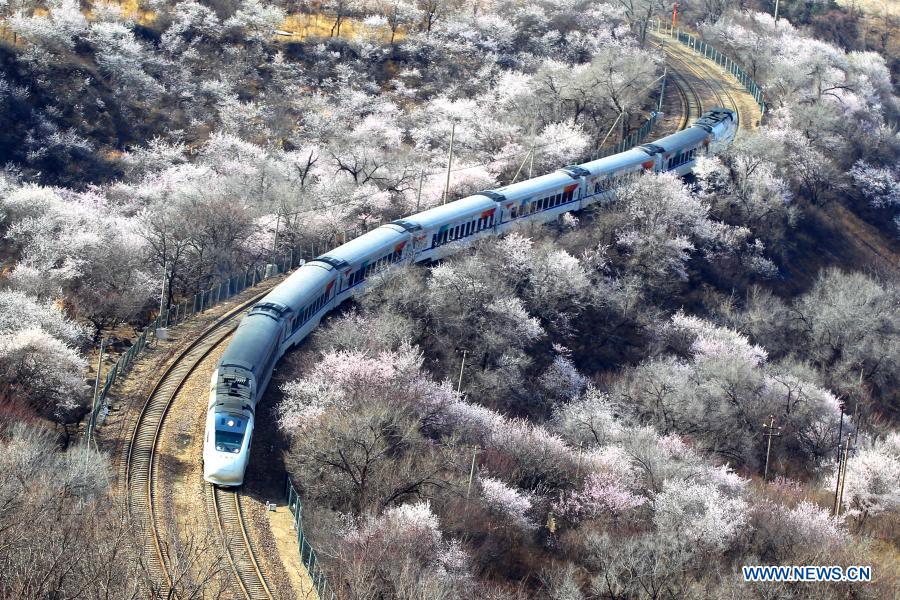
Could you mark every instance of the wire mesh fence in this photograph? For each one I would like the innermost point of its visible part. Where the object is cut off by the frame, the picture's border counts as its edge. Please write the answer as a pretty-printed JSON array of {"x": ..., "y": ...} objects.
[
  {"x": 196, "y": 304},
  {"x": 631, "y": 140},
  {"x": 307, "y": 554},
  {"x": 710, "y": 52}
]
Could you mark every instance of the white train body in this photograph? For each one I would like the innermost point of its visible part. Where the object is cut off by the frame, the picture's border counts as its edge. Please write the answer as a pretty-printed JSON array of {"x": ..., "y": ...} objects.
[{"x": 294, "y": 308}]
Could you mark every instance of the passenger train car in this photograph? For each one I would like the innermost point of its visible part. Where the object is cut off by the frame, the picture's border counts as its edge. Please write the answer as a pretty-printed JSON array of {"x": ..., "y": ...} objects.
[{"x": 294, "y": 308}]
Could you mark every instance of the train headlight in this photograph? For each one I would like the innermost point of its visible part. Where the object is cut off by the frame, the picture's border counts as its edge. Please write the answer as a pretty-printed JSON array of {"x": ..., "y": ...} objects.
[{"x": 231, "y": 423}]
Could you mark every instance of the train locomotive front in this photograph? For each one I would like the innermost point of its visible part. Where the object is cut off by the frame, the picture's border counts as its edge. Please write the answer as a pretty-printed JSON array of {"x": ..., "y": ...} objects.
[{"x": 235, "y": 386}]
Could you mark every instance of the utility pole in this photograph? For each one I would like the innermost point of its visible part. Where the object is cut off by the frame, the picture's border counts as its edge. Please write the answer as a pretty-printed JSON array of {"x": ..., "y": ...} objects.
[
  {"x": 662, "y": 90},
  {"x": 841, "y": 405},
  {"x": 92, "y": 420},
  {"x": 856, "y": 409},
  {"x": 840, "y": 498},
  {"x": 531, "y": 164},
  {"x": 419, "y": 193},
  {"x": 578, "y": 464},
  {"x": 449, "y": 161},
  {"x": 776, "y": 11},
  {"x": 772, "y": 432},
  {"x": 161, "y": 329},
  {"x": 471, "y": 472},
  {"x": 461, "y": 367},
  {"x": 162, "y": 294},
  {"x": 837, "y": 483},
  {"x": 277, "y": 226}
]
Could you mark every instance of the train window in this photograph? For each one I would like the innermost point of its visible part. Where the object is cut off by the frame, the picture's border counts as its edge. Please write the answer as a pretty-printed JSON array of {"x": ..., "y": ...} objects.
[{"x": 230, "y": 429}]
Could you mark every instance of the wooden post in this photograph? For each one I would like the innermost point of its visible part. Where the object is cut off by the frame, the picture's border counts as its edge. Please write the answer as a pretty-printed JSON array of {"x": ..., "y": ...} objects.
[
  {"x": 471, "y": 472},
  {"x": 843, "y": 475},
  {"x": 461, "y": 367},
  {"x": 419, "y": 192},
  {"x": 449, "y": 161},
  {"x": 772, "y": 432},
  {"x": 92, "y": 420}
]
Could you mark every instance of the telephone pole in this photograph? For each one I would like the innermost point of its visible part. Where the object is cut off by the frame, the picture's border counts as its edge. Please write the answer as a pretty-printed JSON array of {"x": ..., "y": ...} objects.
[
  {"x": 471, "y": 472},
  {"x": 772, "y": 432},
  {"x": 449, "y": 161},
  {"x": 531, "y": 164},
  {"x": 662, "y": 90},
  {"x": 419, "y": 193},
  {"x": 163, "y": 305},
  {"x": 92, "y": 420},
  {"x": 842, "y": 476},
  {"x": 841, "y": 405},
  {"x": 862, "y": 392},
  {"x": 461, "y": 367}
]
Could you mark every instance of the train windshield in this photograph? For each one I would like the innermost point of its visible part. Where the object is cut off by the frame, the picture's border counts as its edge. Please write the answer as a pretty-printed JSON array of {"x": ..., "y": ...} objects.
[{"x": 230, "y": 431}]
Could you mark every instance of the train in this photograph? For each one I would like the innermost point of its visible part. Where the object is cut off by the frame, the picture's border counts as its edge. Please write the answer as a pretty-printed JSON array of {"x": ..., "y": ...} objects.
[{"x": 287, "y": 314}]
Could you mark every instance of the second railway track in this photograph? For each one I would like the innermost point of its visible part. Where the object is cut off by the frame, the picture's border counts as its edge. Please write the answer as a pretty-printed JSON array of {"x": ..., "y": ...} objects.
[
  {"x": 224, "y": 508},
  {"x": 692, "y": 71}
]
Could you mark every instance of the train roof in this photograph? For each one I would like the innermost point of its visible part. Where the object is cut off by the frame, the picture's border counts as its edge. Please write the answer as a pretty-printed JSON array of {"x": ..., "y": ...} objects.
[
  {"x": 251, "y": 343},
  {"x": 306, "y": 282},
  {"x": 682, "y": 139},
  {"x": 536, "y": 186},
  {"x": 365, "y": 245},
  {"x": 609, "y": 164},
  {"x": 448, "y": 213}
]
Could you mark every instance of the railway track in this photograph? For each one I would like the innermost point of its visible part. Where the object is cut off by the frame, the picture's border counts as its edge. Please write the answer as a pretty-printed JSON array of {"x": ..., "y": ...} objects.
[
  {"x": 139, "y": 470},
  {"x": 692, "y": 106},
  {"x": 720, "y": 84},
  {"x": 224, "y": 507}
]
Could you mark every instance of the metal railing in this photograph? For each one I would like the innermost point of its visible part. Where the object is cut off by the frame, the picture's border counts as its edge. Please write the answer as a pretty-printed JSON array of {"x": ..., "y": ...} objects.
[
  {"x": 307, "y": 554},
  {"x": 199, "y": 303},
  {"x": 631, "y": 140},
  {"x": 705, "y": 49}
]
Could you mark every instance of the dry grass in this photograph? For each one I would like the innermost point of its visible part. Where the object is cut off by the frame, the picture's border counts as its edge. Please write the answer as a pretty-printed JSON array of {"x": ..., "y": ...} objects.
[{"x": 303, "y": 26}]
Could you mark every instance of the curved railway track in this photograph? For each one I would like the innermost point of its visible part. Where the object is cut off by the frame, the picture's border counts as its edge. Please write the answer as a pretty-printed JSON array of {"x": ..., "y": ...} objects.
[
  {"x": 689, "y": 74},
  {"x": 224, "y": 506},
  {"x": 139, "y": 470},
  {"x": 692, "y": 106}
]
